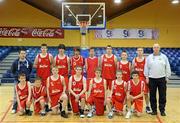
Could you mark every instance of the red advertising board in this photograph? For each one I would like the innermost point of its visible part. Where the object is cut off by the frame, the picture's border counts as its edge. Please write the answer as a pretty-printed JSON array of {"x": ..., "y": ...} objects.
[{"x": 28, "y": 32}]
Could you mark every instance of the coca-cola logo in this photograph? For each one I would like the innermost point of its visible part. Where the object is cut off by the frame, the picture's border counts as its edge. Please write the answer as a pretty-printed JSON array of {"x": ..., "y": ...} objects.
[
  {"x": 26, "y": 32},
  {"x": 43, "y": 33},
  {"x": 10, "y": 32}
]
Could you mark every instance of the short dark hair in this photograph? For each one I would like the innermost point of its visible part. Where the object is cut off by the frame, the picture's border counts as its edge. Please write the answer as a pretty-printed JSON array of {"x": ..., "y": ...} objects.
[
  {"x": 98, "y": 69},
  {"x": 38, "y": 78},
  {"x": 61, "y": 46},
  {"x": 43, "y": 45},
  {"x": 77, "y": 49},
  {"x": 134, "y": 72},
  {"x": 21, "y": 49},
  {"x": 21, "y": 75},
  {"x": 108, "y": 46},
  {"x": 91, "y": 48}
]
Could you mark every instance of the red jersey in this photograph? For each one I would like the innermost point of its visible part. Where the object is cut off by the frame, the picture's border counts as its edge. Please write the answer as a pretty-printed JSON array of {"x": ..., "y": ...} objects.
[
  {"x": 55, "y": 86},
  {"x": 136, "y": 89},
  {"x": 37, "y": 92},
  {"x": 76, "y": 62},
  {"x": 139, "y": 66},
  {"x": 108, "y": 67},
  {"x": 44, "y": 67},
  {"x": 119, "y": 91},
  {"x": 62, "y": 64},
  {"x": 92, "y": 64},
  {"x": 98, "y": 89},
  {"x": 77, "y": 86},
  {"x": 125, "y": 71},
  {"x": 22, "y": 93}
]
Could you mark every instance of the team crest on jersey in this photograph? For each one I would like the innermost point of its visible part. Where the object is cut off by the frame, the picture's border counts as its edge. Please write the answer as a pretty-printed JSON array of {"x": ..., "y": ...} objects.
[
  {"x": 105, "y": 59},
  {"x": 74, "y": 63},
  {"x": 39, "y": 59},
  {"x": 74, "y": 83},
  {"x": 52, "y": 84},
  {"x": 120, "y": 66}
]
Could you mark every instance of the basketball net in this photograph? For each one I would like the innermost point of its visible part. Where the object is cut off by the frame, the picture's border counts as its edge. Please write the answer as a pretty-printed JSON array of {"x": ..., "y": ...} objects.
[{"x": 83, "y": 27}]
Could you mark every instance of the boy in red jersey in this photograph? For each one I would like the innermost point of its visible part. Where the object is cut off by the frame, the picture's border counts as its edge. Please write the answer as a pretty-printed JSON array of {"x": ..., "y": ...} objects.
[
  {"x": 138, "y": 65},
  {"x": 97, "y": 94},
  {"x": 76, "y": 60},
  {"x": 91, "y": 64},
  {"x": 125, "y": 66},
  {"x": 77, "y": 89},
  {"x": 38, "y": 93},
  {"x": 63, "y": 63},
  {"x": 108, "y": 64},
  {"x": 23, "y": 92},
  {"x": 117, "y": 95},
  {"x": 42, "y": 63},
  {"x": 135, "y": 94},
  {"x": 56, "y": 88}
]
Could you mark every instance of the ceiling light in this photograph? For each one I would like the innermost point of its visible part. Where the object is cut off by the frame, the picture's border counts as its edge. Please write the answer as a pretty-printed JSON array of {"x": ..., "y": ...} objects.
[
  {"x": 69, "y": 15},
  {"x": 59, "y": 0},
  {"x": 175, "y": 1},
  {"x": 117, "y": 1},
  {"x": 67, "y": 6},
  {"x": 99, "y": 16},
  {"x": 1, "y": 0}
]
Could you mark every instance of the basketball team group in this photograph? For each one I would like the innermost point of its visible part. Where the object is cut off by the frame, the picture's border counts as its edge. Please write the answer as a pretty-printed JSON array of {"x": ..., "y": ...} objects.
[{"x": 115, "y": 86}]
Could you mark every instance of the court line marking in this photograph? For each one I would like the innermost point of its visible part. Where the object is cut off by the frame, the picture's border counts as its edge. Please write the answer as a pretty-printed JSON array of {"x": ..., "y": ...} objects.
[
  {"x": 159, "y": 119},
  {"x": 6, "y": 112},
  {"x": 84, "y": 121}
]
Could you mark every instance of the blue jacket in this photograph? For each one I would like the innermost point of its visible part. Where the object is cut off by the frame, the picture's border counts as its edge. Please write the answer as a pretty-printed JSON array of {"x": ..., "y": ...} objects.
[{"x": 22, "y": 67}]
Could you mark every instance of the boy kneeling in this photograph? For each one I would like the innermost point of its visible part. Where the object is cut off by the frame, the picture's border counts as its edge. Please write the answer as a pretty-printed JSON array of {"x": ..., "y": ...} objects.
[
  {"x": 135, "y": 94},
  {"x": 57, "y": 97}
]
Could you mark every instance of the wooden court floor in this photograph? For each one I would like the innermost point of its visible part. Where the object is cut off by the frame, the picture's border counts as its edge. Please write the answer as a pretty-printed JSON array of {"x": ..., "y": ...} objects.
[{"x": 172, "y": 110}]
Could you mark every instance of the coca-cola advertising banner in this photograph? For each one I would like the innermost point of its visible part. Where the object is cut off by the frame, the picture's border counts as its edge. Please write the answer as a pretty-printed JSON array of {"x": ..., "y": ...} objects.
[{"x": 27, "y": 32}]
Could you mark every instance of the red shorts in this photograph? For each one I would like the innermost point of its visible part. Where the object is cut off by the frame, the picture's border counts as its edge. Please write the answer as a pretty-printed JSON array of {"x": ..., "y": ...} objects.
[
  {"x": 23, "y": 104},
  {"x": 75, "y": 105},
  {"x": 118, "y": 105},
  {"x": 98, "y": 102},
  {"x": 55, "y": 99},
  {"x": 138, "y": 105},
  {"x": 109, "y": 83},
  {"x": 37, "y": 106}
]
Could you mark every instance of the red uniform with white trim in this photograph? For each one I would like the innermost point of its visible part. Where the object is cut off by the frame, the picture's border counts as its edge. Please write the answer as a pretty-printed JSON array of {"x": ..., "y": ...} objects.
[
  {"x": 55, "y": 90},
  {"x": 136, "y": 90},
  {"x": 77, "y": 87},
  {"x": 97, "y": 96},
  {"x": 139, "y": 66},
  {"x": 92, "y": 64},
  {"x": 38, "y": 92},
  {"x": 108, "y": 69},
  {"x": 43, "y": 68},
  {"x": 118, "y": 95},
  {"x": 62, "y": 65},
  {"x": 23, "y": 95},
  {"x": 125, "y": 71},
  {"x": 76, "y": 62}
]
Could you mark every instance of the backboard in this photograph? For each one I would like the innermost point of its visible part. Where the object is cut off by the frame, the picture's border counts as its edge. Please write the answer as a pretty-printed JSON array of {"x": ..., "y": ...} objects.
[{"x": 75, "y": 13}]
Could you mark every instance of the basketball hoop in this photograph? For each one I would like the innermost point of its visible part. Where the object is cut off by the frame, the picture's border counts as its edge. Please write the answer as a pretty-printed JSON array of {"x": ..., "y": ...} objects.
[{"x": 83, "y": 27}]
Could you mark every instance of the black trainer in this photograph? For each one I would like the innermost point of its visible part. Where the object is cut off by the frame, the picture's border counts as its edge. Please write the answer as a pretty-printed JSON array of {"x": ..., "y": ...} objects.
[
  {"x": 60, "y": 107},
  {"x": 154, "y": 113},
  {"x": 163, "y": 113},
  {"x": 28, "y": 112},
  {"x": 69, "y": 106},
  {"x": 47, "y": 108},
  {"x": 148, "y": 110},
  {"x": 63, "y": 114}
]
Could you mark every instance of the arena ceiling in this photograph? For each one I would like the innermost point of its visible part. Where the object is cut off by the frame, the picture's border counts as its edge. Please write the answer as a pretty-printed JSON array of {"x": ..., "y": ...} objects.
[{"x": 53, "y": 7}]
